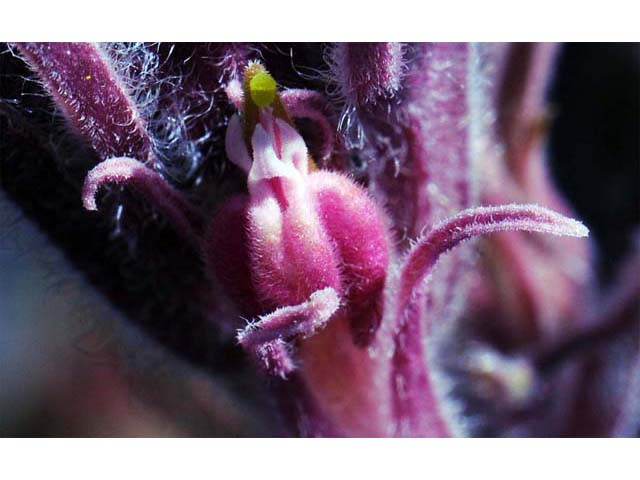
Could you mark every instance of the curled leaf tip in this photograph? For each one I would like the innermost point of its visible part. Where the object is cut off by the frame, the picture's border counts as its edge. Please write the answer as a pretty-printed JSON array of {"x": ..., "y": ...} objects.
[
  {"x": 147, "y": 183},
  {"x": 481, "y": 221},
  {"x": 267, "y": 339}
]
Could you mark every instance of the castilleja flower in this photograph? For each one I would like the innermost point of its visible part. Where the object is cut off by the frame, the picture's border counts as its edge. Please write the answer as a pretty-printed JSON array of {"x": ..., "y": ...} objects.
[{"x": 346, "y": 283}]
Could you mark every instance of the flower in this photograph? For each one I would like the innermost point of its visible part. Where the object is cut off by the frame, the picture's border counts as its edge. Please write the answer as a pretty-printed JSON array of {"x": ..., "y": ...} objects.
[
  {"x": 314, "y": 241},
  {"x": 355, "y": 285}
]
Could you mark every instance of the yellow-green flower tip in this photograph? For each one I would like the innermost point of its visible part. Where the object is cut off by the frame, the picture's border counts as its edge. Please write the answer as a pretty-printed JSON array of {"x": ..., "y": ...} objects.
[{"x": 263, "y": 89}]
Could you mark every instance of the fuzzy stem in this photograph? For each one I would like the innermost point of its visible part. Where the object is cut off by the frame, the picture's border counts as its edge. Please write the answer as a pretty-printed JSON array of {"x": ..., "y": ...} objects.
[
  {"x": 416, "y": 404},
  {"x": 438, "y": 133},
  {"x": 473, "y": 222},
  {"x": 367, "y": 72},
  {"x": 83, "y": 83},
  {"x": 417, "y": 409}
]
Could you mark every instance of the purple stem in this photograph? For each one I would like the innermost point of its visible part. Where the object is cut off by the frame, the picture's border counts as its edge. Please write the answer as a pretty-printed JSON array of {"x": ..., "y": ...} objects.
[
  {"x": 521, "y": 98},
  {"x": 367, "y": 72},
  {"x": 417, "y": 409},
  {"x": 83, "y": 83},
  {"x": 438, "y": 140},
  {"x": 438, "y": 131},
  {"x": 473, "y": 222},
  {"x": 416, "y": 404}
]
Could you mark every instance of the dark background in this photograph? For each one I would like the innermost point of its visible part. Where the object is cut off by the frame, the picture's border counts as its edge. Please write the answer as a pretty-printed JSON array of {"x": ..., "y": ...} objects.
[{"x": 595, "y": 141}]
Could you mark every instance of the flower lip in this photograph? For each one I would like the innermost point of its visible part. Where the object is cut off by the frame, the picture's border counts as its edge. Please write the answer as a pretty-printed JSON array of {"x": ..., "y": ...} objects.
[
  {"x": 235, "y": 146},
  {"x": 280, "y": 158},
  {"x": 266, "y": 162}
]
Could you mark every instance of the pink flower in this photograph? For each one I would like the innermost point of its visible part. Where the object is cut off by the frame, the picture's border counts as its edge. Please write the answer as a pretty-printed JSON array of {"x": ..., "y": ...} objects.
[
  {"x": 348, "y": 284},
  {"x": 318, "y": 255}
]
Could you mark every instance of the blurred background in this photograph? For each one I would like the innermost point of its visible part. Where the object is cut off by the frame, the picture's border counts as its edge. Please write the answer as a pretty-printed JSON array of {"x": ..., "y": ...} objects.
[{"x": 71, "y": 366}]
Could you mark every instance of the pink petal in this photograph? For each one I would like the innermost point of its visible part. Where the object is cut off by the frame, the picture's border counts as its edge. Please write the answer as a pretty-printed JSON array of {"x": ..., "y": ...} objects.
[
  {"x": 234, "y": 144},
  {"x": 266, "y": 164},
  {"x": 357, "y": 227},
  {"x": 294, "y": 150}
]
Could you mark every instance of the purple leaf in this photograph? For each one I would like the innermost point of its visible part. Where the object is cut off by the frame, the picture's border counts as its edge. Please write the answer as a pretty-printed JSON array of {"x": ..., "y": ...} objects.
[
  {"x": 416, "y": 402},
  {"x": 473, "y": 222},
  {"x": 85, "y": 86}
]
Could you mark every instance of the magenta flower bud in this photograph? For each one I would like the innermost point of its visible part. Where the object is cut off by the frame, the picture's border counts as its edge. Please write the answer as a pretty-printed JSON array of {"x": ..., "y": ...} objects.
[
  {"x": 309, "y": 235},
  {"x": 291, "y": 255},
  {"x": 307, "y": 230},
  {"x": 358, "y": 229}
]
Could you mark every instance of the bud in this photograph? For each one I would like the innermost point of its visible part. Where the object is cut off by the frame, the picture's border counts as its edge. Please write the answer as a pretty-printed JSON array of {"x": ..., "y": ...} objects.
[{"x": 318, "y": 251}]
